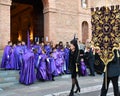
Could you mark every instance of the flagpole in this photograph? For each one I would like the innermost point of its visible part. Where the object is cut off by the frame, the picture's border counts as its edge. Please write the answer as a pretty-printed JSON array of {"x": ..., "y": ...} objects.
[{"x": 28, "y": 39}]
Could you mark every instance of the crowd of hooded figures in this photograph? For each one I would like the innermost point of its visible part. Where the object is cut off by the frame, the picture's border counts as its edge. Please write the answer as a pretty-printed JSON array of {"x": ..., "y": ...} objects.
[{"x": 41, "y": 61}]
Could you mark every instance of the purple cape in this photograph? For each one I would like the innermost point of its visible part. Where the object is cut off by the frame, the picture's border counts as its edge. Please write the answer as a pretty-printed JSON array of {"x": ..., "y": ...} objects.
[
  {"x": 6, "y": 58},
  {"x": 18, "y": 52},
  {"x": 42, "y": 68},
  {"x": 27, "y": 72}
]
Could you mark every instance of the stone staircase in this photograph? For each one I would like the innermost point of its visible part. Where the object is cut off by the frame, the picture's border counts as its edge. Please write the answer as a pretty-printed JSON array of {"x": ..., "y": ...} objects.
[{"x": 7, "y": 77}]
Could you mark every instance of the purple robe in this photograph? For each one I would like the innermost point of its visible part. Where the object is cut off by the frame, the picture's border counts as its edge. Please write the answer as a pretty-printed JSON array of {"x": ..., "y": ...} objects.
[
  {"x": 27, "y": 72},
  {"x": 67, "y": 52},
  {"x": 17, "y": 59},
  {"x": 51, "y": 67},
  {"x": 48, "y": 49},
  {"x": 57, "y": 62},
  {"x": 36, "y": 57},
  {"x": 42, "y": 68},
  {"x": 28, "y": 39},
  {"x": 83, "y": 68},
  {"x": 62, "y": 61},
  {"x": 39, "y": 49},
  {"x": 6, "y": 58},
  {"x": 24, "y": 48}
]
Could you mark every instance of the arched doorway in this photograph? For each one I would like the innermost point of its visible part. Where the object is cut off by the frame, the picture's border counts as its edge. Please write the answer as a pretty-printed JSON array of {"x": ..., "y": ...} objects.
[
  {"x": 27, "y": 15},
  {"x": 84, "y": 31}
]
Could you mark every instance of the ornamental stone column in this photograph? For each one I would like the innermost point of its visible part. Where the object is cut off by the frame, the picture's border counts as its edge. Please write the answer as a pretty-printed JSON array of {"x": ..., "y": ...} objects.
[
  {"x": 4, "y": 22},
  {"x": 49, "y": 21}
]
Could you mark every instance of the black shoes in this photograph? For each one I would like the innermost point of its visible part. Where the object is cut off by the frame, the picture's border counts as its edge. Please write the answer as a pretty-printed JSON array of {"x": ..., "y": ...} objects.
[
  {"x": 78, "y": 90},
  {"x": 71, "y": 93}
]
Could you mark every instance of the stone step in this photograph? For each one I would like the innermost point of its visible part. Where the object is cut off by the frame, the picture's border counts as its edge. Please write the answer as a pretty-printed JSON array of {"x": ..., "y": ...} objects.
[
  {"x": 8, "y": 73},
  {"x": 8, "y": 79},
  {"x": 7, "y": 76},
  {"x": 5, "y": 85}
]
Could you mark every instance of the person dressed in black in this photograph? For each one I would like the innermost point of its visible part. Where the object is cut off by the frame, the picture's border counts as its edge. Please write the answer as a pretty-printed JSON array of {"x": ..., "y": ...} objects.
[
  {"x": 73, "y": 66},
  {"x": 113, "y": 73},
  {"x": 90, "y": 60}
]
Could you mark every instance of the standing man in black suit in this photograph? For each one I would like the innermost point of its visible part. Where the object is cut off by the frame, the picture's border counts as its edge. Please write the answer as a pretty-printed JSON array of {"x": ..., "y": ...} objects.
[
  {"x": 113, "y": 73},
  {"x": 90, "y": 55}
]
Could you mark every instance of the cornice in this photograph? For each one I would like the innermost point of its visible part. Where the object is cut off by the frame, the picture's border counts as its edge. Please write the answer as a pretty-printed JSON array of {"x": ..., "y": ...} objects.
[{"x": 5, "y": 2}]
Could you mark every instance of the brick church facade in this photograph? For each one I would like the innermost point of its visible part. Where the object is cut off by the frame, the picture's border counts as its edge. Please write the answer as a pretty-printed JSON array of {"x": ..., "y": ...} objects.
[{"x": 49, "y": 20}]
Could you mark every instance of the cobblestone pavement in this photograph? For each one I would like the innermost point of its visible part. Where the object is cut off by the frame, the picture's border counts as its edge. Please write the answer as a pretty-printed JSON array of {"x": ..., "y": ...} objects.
[{"x": 90, "y": 86}]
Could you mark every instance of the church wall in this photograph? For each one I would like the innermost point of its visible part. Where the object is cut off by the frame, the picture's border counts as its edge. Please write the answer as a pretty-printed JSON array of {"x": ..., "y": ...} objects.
[
  {"x": 69, "y": 17},
  {"x": 85, "y": 15},
  {"x": 99, "y": 3},
  {"x": 4, "y": 22},
  {"x": 62, "y": 19},
  {"x": 67, "y": 20}
]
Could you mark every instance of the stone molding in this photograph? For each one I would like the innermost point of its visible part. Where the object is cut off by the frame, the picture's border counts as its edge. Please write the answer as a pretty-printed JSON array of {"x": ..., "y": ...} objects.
[
  {"x": 46, "y": 10},
  {"x": 5, "y": 2}
]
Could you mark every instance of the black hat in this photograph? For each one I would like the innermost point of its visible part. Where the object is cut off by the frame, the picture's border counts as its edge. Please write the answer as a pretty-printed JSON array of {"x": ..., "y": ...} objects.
[{"x": 74, "y": 42}]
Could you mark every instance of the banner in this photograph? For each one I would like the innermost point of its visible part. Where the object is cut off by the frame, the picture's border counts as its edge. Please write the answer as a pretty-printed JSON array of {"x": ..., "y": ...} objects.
[{"x": 106, "y": 30}]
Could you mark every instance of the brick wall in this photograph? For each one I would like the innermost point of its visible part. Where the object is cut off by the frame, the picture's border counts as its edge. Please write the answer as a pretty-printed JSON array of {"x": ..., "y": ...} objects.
[
  {"x": 4, "y": 22},
  {"x": 99, "y": 3},
  {"x": 67, "y": 20},
  {"x": 62, "y": 19}
]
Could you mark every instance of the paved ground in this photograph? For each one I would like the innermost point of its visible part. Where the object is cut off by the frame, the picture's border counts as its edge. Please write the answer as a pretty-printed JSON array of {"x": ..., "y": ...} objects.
[{"x": 90, "y": 86}]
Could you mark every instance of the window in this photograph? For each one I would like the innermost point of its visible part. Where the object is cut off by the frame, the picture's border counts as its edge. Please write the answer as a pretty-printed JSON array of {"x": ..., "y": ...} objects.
[{"x": 84, "y": 3}]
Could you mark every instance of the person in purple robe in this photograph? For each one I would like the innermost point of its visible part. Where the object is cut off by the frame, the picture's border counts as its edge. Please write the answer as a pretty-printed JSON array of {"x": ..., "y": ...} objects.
[
  {"x": 60, "y": 46},
  {"x": 51, "y": 67},
  {"x": 42, "y": 67},
  {"x": 67, "y": 51},
  {"x": 62, "y": 60},
  {"x": 38, "y": 48},
  {"x": 57, "y": 62},
  {"x": 36, "y": 56},
  {"x": 42, "y": 44},
  {"x": 18, "y": 52},
  {"x": 48, "y": 49},
  {"x": 83, "y": 67},
  {"x": 27, "y": 71},
  {"x": 6, "y": 64},
  {"x": 24, "y": 47}
]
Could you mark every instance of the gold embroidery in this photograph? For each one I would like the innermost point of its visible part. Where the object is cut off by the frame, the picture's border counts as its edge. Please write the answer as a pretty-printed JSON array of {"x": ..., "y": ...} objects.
[{"x": 106, "y": 30}]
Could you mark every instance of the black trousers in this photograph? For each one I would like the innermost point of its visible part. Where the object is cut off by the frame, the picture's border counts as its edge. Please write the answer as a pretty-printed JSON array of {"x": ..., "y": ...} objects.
[
  {"x": 92, "y": 70},
  {"x": 115, "y": 86}
]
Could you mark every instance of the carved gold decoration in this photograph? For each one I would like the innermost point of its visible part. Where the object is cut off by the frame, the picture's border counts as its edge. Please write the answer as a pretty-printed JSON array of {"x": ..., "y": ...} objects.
[{"x": 106, "y": 31}]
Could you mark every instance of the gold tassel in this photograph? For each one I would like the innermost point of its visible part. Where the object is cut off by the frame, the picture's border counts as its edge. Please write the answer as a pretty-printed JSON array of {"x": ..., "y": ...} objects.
[
  {"x": 76, "y": 68},
  {"x": 118, "y": 55},
  {"x": 105, "y": 69}
]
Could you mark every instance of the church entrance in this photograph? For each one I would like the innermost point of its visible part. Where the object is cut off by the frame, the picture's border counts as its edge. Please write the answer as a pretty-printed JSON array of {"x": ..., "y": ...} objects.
[
  {"x": 84, "y": 31},
  {"x": 27, "y": 16}
]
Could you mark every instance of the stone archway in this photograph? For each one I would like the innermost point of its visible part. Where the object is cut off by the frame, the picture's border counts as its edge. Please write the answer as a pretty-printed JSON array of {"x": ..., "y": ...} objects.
[
  {"x": 6, "y": 22},
  {"x": 29, "y": 13},
  {"x": 85, "y": 31}
]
